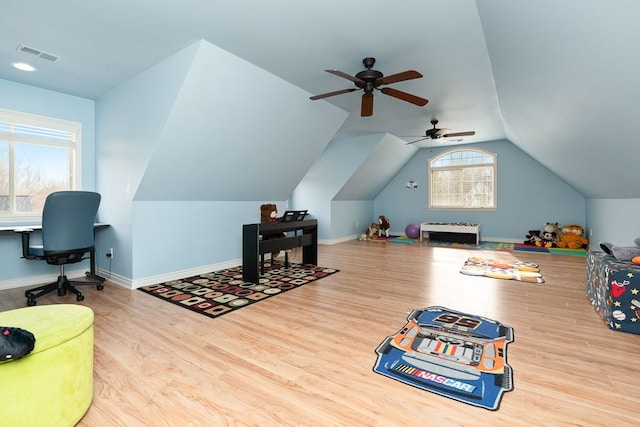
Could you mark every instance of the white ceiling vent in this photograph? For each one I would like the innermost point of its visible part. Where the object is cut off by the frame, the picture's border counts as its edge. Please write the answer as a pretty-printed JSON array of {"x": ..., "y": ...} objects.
[{"x": 40, "y": 54}]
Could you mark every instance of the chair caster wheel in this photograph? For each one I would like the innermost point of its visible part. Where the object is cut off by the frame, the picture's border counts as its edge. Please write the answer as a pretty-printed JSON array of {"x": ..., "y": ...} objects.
[
  {"x": 100, "y": 287},
  {"x": 31, "y": 302},
  {"x": 80, "y": 298}
]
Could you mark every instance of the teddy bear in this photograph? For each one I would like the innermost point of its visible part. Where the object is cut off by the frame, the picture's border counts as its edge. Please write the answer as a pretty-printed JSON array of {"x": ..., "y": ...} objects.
[
  {"x": 533, "y": 237},
  {"x": 15, "y": 343},
  {"x": 269, "y": 213},
  {"x": 384, "y": 226},
  {"x": 572, "y": 237},
  {"x": 622, "y": 253}
]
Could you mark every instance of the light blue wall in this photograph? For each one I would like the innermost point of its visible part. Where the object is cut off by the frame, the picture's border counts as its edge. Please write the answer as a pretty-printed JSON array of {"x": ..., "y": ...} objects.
[
  {"x": 198, "y": 147},
  {"x": 328, "y": 176},
  {"x": 528, "y": 196},
  {"x": 340, "y": 186},
  {"x": 182, "y": 235},
  {"x": 612, "y": 220},
  {"x": 28, "y": 99},
  {"x": 351, "y": 218},
  {"x": 130, "y": 120}
]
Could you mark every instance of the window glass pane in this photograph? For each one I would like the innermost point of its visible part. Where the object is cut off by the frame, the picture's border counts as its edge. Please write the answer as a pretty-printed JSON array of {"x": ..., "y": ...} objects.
[
  {"x": 463, "y": 179},
  {"x": 40, "y": 170},
  {"x": 38, "y": 155}
]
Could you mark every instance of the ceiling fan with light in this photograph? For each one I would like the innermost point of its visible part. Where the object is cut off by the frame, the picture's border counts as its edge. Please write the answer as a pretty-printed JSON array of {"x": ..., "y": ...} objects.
[
  {"x": 436, "y": 133},
  {"x": 370, "y": 79}
]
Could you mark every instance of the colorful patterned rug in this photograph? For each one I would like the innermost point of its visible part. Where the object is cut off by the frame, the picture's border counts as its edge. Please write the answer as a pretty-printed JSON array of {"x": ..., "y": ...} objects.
[
  {"x": 493, "y": 246},
  {"x": 453, "y": 354},
  {"x": 497, "y": 269},
  {"x": 220, "y": 292}
]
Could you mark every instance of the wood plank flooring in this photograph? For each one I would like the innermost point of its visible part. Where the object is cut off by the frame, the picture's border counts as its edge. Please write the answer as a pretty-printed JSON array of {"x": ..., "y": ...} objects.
[{"x": 305, "y": 358}]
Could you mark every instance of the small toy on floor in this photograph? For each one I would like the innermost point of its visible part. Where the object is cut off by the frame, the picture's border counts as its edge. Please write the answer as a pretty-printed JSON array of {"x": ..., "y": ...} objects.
[
  {"x": 372, "y": 232},
  {"x": 549, "y": 235},
  {"x": 384, "y": 226},
  {"x": 533, "y": 237},
  {"x": 572, "y": 237}
]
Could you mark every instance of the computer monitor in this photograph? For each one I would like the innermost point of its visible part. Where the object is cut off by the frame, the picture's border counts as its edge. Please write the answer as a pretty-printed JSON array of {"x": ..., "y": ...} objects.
[{"x": 290, "y": 216}]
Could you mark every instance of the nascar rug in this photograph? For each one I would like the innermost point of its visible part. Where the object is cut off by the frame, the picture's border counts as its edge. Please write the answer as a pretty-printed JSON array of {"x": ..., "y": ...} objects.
[
  {"x": 220, "y": 292},
  {"x": 453, "y": 354},
  {"x": 510, "y": 270}
]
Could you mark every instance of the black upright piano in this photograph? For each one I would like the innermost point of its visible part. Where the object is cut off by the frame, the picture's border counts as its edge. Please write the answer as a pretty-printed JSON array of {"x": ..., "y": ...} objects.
[{"x": 300, "y": 234}]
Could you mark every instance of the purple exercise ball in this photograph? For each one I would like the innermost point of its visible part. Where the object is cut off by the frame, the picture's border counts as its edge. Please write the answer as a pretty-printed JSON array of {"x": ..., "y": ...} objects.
[{"x": 412, "y": 231}]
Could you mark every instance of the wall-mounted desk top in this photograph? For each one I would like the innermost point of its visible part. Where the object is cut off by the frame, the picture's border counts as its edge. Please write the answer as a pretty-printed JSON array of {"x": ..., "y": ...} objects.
[{"x": 19, "y": 227}]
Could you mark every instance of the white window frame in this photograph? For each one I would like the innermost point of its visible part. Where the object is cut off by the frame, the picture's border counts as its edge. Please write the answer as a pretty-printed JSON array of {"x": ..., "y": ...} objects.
[
  {"x": 59, "y": 128},
  {"x": 480, "y": 158}
]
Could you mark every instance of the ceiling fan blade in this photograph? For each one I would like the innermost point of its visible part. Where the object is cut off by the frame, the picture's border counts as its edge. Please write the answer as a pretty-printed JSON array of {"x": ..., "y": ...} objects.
[
  {"x": 404, "y": 96},
  {"x": 455, "y": 134},
  {"x": 345, "y": 76},
  {"x": 398, "y": 77},
  {"x": 367, "y": 105},
  {"x": 328, "y": 94},
  {"x": 417, "y": 140}
]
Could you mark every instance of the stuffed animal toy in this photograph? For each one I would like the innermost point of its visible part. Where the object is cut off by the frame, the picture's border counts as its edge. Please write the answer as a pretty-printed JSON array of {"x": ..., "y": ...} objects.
[
  {"x": 572, "y": 237},
  {"x": 372, "y": 232},
  {"x": 385, "y": 225},
  {"x": 549, "y": 235},
  {"x": 551, "y": 227},
  {"x": 15, "y": 343},
  {"x": 622, "y": 253},
  {"x": 533, "y": 237},
  {"x": 269, "y": 213},
  {"x": 547, "y": 240}
]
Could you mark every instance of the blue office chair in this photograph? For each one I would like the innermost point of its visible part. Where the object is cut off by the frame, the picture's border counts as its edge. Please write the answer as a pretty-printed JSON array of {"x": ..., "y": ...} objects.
[{"x": 68, "y": 221}]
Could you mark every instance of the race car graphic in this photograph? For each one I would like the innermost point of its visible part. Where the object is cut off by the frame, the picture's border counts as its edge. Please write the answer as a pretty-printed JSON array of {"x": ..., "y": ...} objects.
[{"x": 450, "y": 353}]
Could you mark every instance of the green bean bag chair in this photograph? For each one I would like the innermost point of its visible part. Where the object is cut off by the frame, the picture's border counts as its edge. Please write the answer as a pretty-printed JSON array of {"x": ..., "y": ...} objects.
[{"x": 51, "y": 385}]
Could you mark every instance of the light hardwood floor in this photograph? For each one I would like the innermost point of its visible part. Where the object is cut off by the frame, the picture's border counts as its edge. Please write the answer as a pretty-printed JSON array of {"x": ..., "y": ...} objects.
[{"x": 305, "y": 357}]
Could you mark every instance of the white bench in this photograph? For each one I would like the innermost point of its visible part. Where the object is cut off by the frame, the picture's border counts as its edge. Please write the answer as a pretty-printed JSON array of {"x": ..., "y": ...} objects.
[{"x": 450, "y": 227}]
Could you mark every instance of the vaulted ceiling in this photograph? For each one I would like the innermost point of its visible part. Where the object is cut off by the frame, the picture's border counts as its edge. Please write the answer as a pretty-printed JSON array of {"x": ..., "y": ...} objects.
[{"x": 558, "y": 79}]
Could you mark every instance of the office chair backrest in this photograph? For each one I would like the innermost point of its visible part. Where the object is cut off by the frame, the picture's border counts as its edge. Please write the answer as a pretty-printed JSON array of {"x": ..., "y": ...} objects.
[{"x": 68, "y": 219}]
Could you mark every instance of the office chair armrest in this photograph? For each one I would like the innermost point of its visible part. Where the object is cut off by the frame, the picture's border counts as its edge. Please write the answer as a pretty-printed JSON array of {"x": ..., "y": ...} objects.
[{"x": 25, "y": 232}]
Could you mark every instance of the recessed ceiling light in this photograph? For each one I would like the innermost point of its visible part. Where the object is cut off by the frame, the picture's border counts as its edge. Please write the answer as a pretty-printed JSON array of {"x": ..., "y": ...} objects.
[{"x": 23, "y": 66}]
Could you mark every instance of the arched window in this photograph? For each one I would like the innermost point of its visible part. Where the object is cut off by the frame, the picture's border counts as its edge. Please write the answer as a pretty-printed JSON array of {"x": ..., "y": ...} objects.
[{"x": 463, "y": 179}]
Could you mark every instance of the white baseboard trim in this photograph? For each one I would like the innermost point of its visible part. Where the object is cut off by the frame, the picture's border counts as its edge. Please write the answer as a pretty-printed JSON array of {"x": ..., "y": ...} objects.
[
  {"x": 334, "y": 241},
  {"x": 175, "y": 275},
  {"x": 116, "y": 279}
]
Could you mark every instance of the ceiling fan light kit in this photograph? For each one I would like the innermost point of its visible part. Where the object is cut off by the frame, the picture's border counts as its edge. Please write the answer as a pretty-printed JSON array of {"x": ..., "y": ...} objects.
[{"x": 371, "y": 79}]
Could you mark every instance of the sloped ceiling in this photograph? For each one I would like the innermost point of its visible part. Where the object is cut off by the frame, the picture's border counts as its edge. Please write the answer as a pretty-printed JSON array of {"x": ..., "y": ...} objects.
[
  {"x": 566, "y": 76},
  {"x": 201, "y": 145},
  {"x": 558, "y": 79}
]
